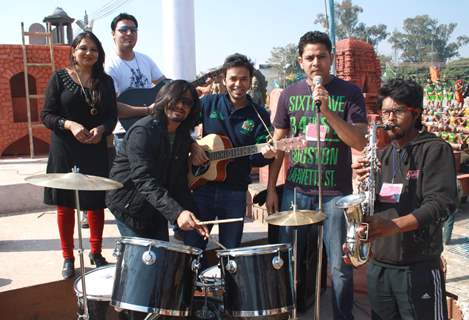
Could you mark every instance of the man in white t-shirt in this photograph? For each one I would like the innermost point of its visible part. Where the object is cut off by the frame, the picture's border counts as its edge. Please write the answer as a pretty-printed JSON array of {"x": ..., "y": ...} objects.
[{"x": 129, "y": 69}]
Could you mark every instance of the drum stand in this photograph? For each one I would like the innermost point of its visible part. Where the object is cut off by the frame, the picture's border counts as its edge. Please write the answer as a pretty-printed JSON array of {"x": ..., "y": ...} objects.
[
  {"x": 75, "y": 181},
  {"x": 85, "y": 314}
]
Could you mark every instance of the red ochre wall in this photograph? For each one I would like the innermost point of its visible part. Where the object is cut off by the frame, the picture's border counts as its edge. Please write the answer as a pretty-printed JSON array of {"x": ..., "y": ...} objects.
[
  {"x": 356, "y": 61},
  {"x": 14, "y": 135}
]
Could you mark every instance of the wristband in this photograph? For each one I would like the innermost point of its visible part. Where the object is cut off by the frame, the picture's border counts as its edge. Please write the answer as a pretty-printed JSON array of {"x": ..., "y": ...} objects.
[{"x": 61, "y": 124}]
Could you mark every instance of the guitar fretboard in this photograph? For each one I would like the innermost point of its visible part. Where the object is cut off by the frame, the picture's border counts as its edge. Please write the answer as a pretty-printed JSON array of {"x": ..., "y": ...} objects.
[{"x": 236, "y": 152}]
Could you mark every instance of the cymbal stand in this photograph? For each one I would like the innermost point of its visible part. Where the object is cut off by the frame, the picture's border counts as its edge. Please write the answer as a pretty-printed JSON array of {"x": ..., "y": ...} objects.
[{"x": 85, "y": 316}]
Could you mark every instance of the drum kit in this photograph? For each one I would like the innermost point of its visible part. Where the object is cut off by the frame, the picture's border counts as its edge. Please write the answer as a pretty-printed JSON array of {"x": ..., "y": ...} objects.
[{"x": 159, "y": 278}]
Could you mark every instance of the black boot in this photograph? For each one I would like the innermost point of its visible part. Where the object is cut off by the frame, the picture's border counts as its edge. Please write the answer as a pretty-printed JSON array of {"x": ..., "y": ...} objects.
[
  {"x": 68, "y": 269},
  {"x": 97, "y": 259}
]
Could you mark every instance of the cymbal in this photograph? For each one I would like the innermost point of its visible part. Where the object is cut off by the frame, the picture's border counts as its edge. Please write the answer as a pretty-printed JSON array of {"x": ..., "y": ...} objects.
[
  {"x": 73, "y": 181},
  {"x": 296, "y": 218}
]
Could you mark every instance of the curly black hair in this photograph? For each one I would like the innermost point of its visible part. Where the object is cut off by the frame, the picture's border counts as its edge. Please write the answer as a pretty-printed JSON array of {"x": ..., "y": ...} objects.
[
  {"x": 404, "y": 91},
  {"x": 238, "y": 60},
  {"x": 312, "y": 37}
]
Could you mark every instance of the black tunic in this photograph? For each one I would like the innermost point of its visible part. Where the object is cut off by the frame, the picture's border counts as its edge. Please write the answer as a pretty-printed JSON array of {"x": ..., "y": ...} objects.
[{"x": 65, "y": 100}]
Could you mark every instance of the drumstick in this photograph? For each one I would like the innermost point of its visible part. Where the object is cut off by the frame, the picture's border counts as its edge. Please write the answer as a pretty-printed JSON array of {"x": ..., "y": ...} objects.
[{"x": 202, "y": 223}]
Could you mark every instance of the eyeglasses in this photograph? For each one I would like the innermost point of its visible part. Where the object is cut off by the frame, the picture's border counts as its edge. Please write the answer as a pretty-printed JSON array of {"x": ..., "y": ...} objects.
[
  {"x": 125, "y": 29},
  {"x": 398, "y": 112}
]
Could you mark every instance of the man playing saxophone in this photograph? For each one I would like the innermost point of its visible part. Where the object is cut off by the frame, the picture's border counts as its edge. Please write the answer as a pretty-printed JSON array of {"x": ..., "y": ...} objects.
[{"x": 415, "y": 192}]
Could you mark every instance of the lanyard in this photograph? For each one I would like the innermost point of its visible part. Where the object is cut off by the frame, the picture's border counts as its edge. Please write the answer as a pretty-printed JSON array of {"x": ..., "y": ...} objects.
[{"x": 396, "y": 162}]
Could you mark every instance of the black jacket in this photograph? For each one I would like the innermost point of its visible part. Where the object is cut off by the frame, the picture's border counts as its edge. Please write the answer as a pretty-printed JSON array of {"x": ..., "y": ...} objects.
[
  {"x": 425, "y": 167},
  {"x": 154, "y": 175}
]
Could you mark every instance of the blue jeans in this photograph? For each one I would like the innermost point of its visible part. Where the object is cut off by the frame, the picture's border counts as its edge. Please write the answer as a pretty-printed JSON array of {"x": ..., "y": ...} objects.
[
  {"x": 214, "y": 201},
  {"x": 118, "y": 142},
  {"x": 334, "y": 237}
]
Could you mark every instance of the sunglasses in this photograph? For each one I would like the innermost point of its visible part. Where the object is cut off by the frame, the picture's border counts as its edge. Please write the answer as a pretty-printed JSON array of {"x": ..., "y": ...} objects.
[
  {"x": 186, "y": 102},
  {"x": 125, "y": 29}
]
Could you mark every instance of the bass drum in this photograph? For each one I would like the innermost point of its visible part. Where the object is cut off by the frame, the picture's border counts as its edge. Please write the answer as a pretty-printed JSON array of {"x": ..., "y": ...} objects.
[
  {"x": 98, "y": 284},
  {"x": 258, "y": 281},
  {"x": 154, "y": 276}
]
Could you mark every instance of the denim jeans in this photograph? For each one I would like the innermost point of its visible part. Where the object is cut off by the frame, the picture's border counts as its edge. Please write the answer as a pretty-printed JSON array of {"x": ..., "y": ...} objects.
[
  {"x": 334, "y": 236},
  {"x": 118, "y": 142},
  {"x": 214, "y": 201}
]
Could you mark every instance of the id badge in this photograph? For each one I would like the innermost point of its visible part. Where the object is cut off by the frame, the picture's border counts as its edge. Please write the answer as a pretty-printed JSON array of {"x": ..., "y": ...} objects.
[
  {"x": 311, "y": 132},
  {"x": 390, "y": 192}
]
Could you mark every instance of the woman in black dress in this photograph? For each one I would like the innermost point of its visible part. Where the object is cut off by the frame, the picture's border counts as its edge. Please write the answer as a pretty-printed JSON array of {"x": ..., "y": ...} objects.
[{"x": 80, "y": 109}]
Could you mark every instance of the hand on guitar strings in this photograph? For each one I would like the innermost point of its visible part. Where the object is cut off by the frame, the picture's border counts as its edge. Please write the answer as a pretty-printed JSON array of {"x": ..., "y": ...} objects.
[
  {"x": 187, "y": 221},
  {"x": 268, "y": 151},
  {"x": 198, "y": 156}
]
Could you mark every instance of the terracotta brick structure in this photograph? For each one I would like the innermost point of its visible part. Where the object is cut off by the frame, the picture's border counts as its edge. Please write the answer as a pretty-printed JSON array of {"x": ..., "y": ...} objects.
[
  {"x": 356, "y": 61},
  {"x": 13, "y": 114}
]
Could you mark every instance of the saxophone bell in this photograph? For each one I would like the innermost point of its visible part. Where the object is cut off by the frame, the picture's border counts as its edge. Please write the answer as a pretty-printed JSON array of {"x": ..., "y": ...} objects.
[{"x": 355, "y": 248}]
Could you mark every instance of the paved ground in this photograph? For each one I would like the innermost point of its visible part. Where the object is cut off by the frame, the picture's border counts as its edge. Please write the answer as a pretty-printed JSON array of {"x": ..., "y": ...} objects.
[{"x": 30, "y": 250}]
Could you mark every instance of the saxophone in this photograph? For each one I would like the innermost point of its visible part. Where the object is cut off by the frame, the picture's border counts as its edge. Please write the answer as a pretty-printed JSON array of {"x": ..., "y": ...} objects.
[{"x": 362, "y": 204}]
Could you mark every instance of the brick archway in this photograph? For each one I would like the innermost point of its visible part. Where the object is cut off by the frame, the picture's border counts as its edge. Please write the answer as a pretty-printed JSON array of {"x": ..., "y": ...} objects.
[
  {"x": 20, "y": 147},
  {"x": 18, "y": 98}
]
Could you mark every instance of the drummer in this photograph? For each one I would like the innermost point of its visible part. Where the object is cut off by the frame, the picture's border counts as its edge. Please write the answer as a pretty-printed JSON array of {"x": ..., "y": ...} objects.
[{"x": 153, "y": 168}]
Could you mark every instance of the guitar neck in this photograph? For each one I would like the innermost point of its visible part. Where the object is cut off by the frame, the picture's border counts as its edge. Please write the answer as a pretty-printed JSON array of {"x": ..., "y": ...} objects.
[{"x": 236, "y": 152}]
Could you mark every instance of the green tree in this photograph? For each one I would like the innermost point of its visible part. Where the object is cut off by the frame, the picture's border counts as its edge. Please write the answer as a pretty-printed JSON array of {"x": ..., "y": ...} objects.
[
  {"x": 424, "y": 40},
  {"x": 285, "y": 61},
  {"x": 348, "y": 25}
]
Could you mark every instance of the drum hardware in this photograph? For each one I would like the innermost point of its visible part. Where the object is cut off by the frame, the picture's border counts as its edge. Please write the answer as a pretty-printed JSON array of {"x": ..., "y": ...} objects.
[
  {"x": 205, "y": 312},
  {"x": 216, "y": 242},
  {"x": 231, "y": 266},
  {"x": 195, "y": 266},
  {"x": 148, "y": 257},
  {"x": 117, "y": 249},
  {"x": 277, "y": 261},
  {"x": 77, "y": 182}
]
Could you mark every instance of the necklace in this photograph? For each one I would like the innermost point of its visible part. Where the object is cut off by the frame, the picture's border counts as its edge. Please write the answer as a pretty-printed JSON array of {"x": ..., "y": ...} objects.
[
  {"x": 89, "y": 100},
  {"x": 130, "y": 67}
]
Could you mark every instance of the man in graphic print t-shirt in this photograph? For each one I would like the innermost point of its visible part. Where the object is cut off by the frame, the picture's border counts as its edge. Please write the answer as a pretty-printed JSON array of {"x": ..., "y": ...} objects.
[
  {"x": 343, "y": 117},
  {"x": 129, "y": 69}
]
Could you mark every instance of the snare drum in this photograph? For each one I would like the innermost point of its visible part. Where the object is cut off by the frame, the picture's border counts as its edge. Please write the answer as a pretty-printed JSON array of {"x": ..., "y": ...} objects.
[
  {"x": 258, "y": 281},
  {"x": 154, "y": 276},
  {"x": 98, "y": 291}
]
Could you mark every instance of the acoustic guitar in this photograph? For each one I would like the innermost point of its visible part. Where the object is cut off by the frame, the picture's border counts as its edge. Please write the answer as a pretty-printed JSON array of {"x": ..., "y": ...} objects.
[
  {"x": 220, "y": 150},
  {"x": 141, "y": 97}
]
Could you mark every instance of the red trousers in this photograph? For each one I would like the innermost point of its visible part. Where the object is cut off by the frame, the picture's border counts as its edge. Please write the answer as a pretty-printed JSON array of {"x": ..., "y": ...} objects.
[{"x": 66, "y": 223}]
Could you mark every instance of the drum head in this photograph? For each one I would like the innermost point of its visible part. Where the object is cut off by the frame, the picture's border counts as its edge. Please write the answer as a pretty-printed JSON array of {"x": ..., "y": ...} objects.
[
  {"x": 161, "y": 244},
  {"x": 99, "y": 283},
  {"x": 254, "y": 250}
]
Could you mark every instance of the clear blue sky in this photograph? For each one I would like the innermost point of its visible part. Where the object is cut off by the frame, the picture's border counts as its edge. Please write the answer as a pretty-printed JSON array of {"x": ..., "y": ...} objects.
[{"x": 223, "y": 27}]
